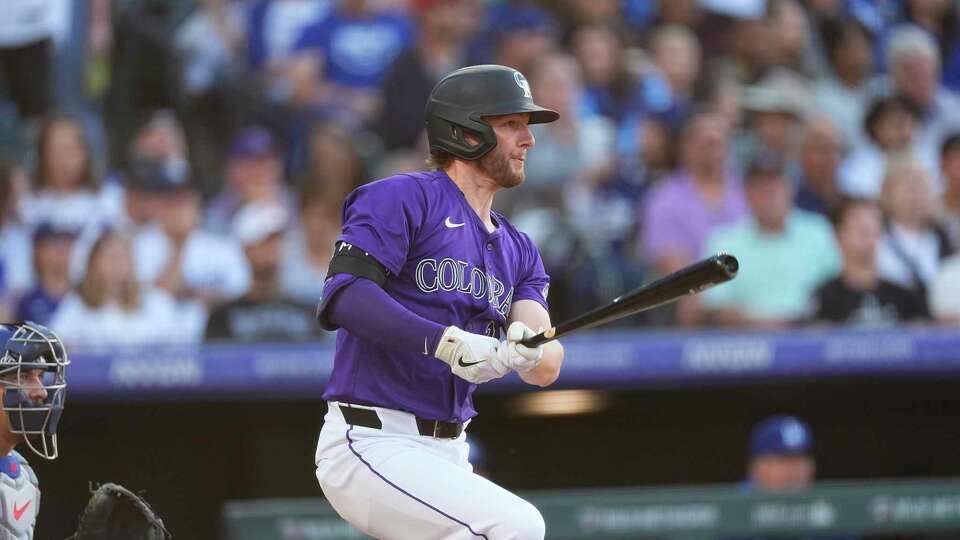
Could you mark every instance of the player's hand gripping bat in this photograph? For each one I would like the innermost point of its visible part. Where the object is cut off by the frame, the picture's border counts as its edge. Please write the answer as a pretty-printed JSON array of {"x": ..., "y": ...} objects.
[{"x": 689, "y": 280}]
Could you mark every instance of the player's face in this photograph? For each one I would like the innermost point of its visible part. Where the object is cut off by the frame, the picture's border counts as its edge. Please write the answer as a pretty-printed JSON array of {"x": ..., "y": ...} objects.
[
  {"x": 782, "y": 473},
  {"x": 504, "y": 164}
]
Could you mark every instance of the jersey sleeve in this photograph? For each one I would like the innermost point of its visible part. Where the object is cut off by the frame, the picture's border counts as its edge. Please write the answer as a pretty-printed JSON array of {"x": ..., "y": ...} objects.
[
  {"x": 534, "y": 283},
  {"x": 383, "y": 219}
]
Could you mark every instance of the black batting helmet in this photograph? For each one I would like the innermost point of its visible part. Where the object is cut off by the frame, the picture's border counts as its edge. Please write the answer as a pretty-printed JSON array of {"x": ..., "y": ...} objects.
[{"x": 460, "y": 100}]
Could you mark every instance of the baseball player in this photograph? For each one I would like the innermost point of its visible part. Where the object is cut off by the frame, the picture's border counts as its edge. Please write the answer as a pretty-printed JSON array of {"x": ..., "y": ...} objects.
[
  {"x": 33, "y": 375},
  {"x": 423, "y": 280}
]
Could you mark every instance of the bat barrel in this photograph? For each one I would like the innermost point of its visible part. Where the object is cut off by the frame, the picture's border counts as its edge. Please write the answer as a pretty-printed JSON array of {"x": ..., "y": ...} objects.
[{"x": 692, "y": 279}]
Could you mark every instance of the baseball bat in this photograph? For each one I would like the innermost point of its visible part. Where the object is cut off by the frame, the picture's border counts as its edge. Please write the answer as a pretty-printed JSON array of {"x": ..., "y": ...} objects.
[{"x": 689, "y": 280}]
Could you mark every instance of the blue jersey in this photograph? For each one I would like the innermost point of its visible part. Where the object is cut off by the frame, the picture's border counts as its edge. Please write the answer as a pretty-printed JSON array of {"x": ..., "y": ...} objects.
[
  {"x": 444, "y": 266},
  {"x": 357, "y": 51}
]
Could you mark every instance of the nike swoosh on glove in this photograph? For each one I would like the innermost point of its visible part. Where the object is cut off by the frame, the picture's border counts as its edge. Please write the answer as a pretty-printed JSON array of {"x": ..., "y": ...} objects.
[{"x": 472, "y": 357}]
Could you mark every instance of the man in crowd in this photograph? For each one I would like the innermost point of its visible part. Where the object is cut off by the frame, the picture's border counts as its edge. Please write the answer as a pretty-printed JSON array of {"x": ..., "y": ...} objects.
[
  {"x": 780, "y": 248},
  {"x": 821, "y": 152},
  {"x": 52, "y": 247},
  {"x": 858, "y": 296},
  {"x": 263, "y": 313}
]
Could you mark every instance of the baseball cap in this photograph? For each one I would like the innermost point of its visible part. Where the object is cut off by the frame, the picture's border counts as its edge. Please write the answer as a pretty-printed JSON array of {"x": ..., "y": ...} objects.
[
  {"x": 779, "y": 435},
  {"x": 252, "y": 142},
  {"x": 764, "y": 165},
  {"x": 158, "y": 176},
  {"x": 49, "y": 229},
  {"x": 256, "y": 222}
]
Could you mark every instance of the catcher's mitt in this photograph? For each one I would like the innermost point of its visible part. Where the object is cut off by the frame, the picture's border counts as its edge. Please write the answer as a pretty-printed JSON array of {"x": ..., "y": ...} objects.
[{"x": 116, "y": 513}]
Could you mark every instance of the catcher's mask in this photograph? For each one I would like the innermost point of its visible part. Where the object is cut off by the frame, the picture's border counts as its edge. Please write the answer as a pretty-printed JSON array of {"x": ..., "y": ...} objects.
[{"x": 33, "y": 375}]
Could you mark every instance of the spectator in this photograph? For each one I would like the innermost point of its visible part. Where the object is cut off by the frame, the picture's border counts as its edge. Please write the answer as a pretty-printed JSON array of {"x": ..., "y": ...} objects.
[
  {"x": 263, "y": 313},
  {"x": 51, "y": 264},
  {"x": 274, "y": 26},
  {"x": 522, "y": 34},
  {"x": 915, "y": 75},
  {"x": 576, "y": 149},
  {"x": 859, "y": 295},
  {"x": 26, "y": 55},
  {"x": 444, "y": 29},
  {"x": 948, "y": 209},
  {"x": 939, "y": 19},
  {"x": 912, "y": 245},
  {"x": 891, "y": 126},
  {"x": 676, "y": 57},
  {"x": 308, "y": 247},
  {"x": 781, "y": 456},
  {"x": 843, "y": 94},
  {"x": 209, "y": 43},
  {"x": 196, "y": 267},
  {"x": 817, "y": 179},
  {"x": 610, "y": 87},
  {"x": 350, "y": 75},
  {"x": 944, "y": 293},
  {"x": 684, "y": 208},
  {"x": 776, "y": 111},
  {"x": 333, "y": 164},
  {"x": 254, "y": 173},
  {"x": 793, "y": 42},
  {"x": 769, "y": 244},
  {"x": 110, "y": 307},
  {"x": 157, "y": 157},
  {"x": 15, "y": 268},
  {"x": 66, "y": 187}
]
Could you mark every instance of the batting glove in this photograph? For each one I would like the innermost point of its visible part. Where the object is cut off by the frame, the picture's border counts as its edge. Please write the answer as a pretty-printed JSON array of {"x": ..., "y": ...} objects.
[
  {"x": 517, "y": 356},
  {"x": 472, "y": 357}
]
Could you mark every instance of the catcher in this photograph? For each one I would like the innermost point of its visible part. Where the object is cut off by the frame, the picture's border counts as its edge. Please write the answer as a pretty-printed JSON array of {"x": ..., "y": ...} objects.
[{"x": 33, "y": 375}]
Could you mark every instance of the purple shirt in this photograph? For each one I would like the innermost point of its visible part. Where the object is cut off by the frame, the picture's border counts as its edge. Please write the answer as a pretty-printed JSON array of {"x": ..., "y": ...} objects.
[
  {"x": 445, "y": 267},
  {"x": 678, "y": 219}
]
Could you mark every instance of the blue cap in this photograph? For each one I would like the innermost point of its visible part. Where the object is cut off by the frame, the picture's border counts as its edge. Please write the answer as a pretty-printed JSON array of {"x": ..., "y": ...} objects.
[
  {"x": 780, "y": 435},
  {"x": 156, "y": 176},
  {"x": 516, "y": 19},
  {"x": 252, "y": 142},
  {"x": 49, "y": 229}
]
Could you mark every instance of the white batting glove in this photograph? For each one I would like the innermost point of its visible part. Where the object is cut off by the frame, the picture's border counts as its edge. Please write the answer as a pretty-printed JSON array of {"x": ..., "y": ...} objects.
[
  {"x": 517, "y": 356},
  {"x": 472, "y": 357}
]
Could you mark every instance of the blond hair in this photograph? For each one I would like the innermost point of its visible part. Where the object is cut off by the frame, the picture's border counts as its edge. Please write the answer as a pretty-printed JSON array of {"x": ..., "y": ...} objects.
[{"x": 93, "y": 288}]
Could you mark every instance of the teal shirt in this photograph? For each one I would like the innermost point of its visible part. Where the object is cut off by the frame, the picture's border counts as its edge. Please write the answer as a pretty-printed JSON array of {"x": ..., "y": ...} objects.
[{"x": 778, "y": 274}]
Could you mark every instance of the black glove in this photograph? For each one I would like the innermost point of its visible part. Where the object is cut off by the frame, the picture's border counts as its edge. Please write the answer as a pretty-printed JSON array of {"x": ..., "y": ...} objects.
[{"x": 114, "y": 513}]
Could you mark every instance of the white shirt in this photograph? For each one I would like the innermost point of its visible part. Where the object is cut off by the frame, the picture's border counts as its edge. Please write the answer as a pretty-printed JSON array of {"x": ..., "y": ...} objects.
[
  {"x": 299, "y": 278},
  {"x": 944, "y": 293},
  {"x": 25, "y": 22},
  {"x": 923, "y": 248},
  {"x": 157, "y": 320},
  {"x": 79, "y": 210},
  {"x": 210, "y": 263},
  {"x": 17, "y": 257}
]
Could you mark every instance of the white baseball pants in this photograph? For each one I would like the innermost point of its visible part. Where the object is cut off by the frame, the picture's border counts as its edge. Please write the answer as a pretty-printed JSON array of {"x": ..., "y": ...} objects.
[{"x": 393, "y": 483}]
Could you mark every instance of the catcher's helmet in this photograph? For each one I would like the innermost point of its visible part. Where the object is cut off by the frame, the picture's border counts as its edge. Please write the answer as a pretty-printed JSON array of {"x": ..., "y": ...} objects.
[
  {"x": 30, "y": 346},
  {"x": 460, "y": 100}
]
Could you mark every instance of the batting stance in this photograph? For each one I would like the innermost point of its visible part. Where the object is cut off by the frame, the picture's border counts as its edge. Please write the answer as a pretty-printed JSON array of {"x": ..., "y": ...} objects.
[
  {"x": 425, "y": 277},
  {"x": 33, "y": 376}
]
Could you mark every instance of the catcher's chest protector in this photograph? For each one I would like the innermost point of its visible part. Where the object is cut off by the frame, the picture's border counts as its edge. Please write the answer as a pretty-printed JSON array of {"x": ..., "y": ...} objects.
[{"x": 19, "y": 498}]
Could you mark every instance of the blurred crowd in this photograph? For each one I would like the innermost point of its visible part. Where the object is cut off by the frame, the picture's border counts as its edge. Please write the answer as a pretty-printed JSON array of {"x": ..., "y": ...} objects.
[{"x": 173, "y": 170}]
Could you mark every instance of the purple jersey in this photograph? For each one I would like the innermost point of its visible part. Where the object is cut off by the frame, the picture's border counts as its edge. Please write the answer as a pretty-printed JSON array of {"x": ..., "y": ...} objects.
[{"x": 444, "y": 266}]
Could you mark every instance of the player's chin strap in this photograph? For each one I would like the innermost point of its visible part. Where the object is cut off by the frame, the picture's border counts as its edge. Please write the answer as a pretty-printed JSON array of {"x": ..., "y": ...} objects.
[{"x": 350, "y": 259}]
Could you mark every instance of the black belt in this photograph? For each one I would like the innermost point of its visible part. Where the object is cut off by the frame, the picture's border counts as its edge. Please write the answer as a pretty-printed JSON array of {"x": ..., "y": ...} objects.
[{"x": 430, "y": 428}]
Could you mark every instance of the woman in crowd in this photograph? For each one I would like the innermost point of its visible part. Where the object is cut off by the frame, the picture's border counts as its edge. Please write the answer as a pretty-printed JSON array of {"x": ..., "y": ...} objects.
[
  {"x": 110, "y": 307},
  {"x": 912, "y": 246},
  {"x": 66, "y": 186}
]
